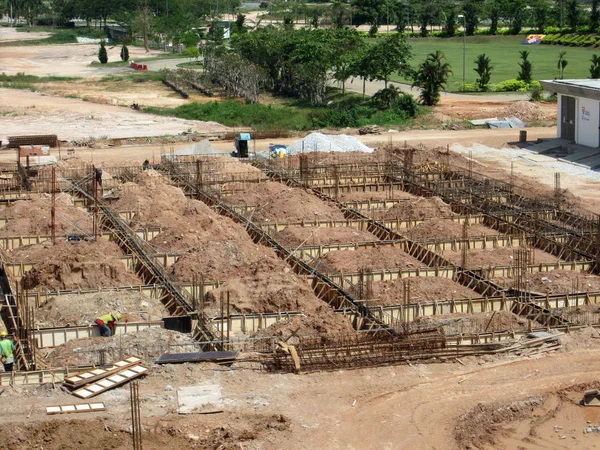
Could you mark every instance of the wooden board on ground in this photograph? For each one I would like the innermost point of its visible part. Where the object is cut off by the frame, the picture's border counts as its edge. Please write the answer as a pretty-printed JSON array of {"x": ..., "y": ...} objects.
[
  {"x": 88, "y": 376},
  {"x": 69, "y": 409},
  {"x": 112, "y": 381}
]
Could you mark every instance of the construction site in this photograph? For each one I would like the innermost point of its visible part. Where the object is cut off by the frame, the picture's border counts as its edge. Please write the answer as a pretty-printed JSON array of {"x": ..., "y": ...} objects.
[
  {"x": 432, "y": 287},
  {"x": 250, "y": 272}
]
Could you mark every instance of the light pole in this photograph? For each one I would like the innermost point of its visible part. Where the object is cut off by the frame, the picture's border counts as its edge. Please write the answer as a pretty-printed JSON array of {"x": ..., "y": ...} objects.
[{"x": 464, "y": 47}]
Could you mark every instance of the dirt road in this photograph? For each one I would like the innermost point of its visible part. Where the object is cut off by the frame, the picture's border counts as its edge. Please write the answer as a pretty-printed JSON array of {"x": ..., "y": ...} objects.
[{"x": 25, "y": 112}]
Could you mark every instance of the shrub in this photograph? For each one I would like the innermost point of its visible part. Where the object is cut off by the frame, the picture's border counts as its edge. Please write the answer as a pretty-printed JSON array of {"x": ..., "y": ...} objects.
[
  {"x": 551, "y": 30},
  {"x": 336, "y": 118},
  {"x": 511, "y": 85},
  {"x": 124, "y": 53},
  {"x": 468, "y": 87},
  {"x": 407, "y": 105},
  {"x": 385, "y": 98},
  {"x": 102, "y": 55}
]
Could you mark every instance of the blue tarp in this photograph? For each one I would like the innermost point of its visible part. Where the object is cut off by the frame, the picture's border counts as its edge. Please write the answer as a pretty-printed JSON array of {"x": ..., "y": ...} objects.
[{"x": 244, "y": 136}]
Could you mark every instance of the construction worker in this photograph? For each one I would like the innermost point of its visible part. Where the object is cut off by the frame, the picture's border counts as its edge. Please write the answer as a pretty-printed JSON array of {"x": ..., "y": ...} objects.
[
  {"x": 106, "y": 323},
  {"x": 8, "y": 351}
]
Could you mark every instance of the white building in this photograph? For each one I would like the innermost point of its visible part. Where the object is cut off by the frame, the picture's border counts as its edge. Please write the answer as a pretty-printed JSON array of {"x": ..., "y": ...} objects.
[{"x": 578, "y": 110}]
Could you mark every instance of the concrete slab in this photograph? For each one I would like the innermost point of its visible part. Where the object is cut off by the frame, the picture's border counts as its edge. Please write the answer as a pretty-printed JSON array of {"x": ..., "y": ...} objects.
[
  {"x": 204, "y": 399},
  {"x": 538, "y": 158},
  {"x": 548, "y": 145},
  {"x": 579, "y": 155}
]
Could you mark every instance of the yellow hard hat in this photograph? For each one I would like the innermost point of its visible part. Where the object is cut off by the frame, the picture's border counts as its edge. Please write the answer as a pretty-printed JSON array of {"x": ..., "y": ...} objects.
[
  {"x": 3, "y": 333},
  {"x": 119, "y": 316}
]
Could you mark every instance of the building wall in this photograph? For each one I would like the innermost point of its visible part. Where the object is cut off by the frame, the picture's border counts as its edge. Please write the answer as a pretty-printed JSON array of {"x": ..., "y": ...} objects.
[
  {"x": 559, "y": 116},
  {"x": 587, "y": 122}
]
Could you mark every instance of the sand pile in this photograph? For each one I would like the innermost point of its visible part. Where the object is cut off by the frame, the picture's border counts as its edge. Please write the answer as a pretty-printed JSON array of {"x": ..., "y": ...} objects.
[
  {"x": 445, "y": 229},
  {"x": 422, "y": 289},
  {"x": 385, "y": 257},
  {"x": 525, "y": 111},
  {"x": 154, "y": 202},
  {"x": 75, "y": 266},
  {"x": 275, "y": 201},
  {"x": 31, "y": 217},
  {"x": 325, "y": 323},
  {"x": 296, "y": 235},
  {"x": 266, "y": 293},
  {"x": 419, "y": 208},
  {"x": 84, "y": 309},
  {"x": 214, "y": 260}
]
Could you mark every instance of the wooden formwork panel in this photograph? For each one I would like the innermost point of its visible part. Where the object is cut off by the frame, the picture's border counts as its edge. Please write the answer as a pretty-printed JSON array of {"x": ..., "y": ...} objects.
[
  {"x": 88, "y": 376},
  {"x": 110, "y": 382},
  {"x": 70, "y": 409}
]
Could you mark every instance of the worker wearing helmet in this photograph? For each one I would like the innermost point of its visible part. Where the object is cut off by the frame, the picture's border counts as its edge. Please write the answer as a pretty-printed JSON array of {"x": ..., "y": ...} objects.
[
  {"x": 7, "y": 349},
  {"x": 106, "y": 323}
]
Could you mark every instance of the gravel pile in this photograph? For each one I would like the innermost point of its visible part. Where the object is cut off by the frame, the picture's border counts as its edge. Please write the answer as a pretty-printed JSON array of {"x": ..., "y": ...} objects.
[{"x": 319, "y": 142}]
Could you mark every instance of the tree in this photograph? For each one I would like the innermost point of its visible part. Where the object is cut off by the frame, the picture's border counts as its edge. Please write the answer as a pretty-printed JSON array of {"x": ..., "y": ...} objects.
[
  {"x": 143, "y": 22},
  {"x": 595, "y": 67},
  {"x": 594, "y": 16},
  {"x": 102, "y": 55},
  {"x": 451, "y": 22},
  {"x": 431, "y": 77},
  {"x": 348, "y": 45},
  {"x": 526, "y": 72},
  {"x": 428, "y": 13},
  {"x": 484, "y": 71},
  {"x": 471, "y": 13},
  {"x": 339, "y": 15},
  {"x": 493, "y": 10},
  {"x": 573, "y": 14},
  {"x": 541, "y": 11},
  {"x": 389, "y": 55},
  {"x": 124, "y": 53},
  {"x": 562, "y": 63}
]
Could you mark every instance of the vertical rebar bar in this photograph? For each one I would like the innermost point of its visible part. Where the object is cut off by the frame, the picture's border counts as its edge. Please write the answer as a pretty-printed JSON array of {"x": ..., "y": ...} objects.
[
  {"x": 136, "y": 422},
  {"x": 53, "y": 211}
]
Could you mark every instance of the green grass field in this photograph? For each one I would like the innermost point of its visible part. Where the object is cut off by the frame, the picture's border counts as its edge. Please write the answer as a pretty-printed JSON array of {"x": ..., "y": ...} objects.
[{"x": 504, "y": 54}]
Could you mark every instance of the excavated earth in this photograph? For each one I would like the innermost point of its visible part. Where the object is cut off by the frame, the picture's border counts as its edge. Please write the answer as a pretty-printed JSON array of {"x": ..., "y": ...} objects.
[
  {"x": 383, "y": 257},
  {"x": 74, "y": 265},
  {"x": 422, "y": 289}
]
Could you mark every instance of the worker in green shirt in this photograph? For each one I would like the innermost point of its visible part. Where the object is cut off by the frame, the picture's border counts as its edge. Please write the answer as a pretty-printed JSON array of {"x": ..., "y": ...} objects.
[
  {"x": 106, "y": 323},
  {"x": 8, "y": 351}
]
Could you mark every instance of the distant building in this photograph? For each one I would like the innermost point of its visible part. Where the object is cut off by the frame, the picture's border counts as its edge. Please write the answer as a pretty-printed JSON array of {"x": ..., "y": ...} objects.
[{"x": 578, "y": 109}]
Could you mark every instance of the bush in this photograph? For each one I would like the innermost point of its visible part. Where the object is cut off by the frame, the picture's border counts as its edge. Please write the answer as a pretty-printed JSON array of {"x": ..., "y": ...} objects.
[
  {"x": 102, "y": 55},
  {"x": 551, "y": 30},
  {"x": 407, "y": 105},
  {"x": 511, "y": 85},
  {"x": 468, "y": 87},
  {"x": 124, "y": 53},
  {"x": 336, "y": 118}
]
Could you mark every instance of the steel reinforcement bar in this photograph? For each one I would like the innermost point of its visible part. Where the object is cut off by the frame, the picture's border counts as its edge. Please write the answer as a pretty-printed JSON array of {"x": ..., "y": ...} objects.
[
  {"x": 324, "y": 287},
  {"x": 176, "y": 302}
]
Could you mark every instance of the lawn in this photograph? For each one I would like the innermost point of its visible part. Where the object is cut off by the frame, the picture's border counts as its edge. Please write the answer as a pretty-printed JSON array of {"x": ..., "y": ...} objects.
[{"x": 504, "y": 54}]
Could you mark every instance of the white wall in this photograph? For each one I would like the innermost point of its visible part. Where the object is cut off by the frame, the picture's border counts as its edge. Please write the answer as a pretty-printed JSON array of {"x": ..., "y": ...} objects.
[
  {"x": 559, "y": 115},
  {"x": 587, "y": 121}
]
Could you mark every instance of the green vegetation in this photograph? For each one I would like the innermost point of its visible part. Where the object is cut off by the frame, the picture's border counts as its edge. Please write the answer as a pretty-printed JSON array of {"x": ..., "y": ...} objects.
[
  {"x": 349, "y": 111},
  {"x": 138, "y": 76},
  {"x": 504, "y": 51},
  {"x": 102, "y": 55},
  {"x": 28, "y": 82},
  {"x": 432, "y": 76}
]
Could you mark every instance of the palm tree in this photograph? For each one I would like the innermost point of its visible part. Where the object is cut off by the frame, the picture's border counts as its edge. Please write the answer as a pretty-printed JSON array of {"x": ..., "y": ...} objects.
[
  {"x": 526, "y": 73},
  {"x": 431, "y": 77},
  {"x": 595, "y": 68},
  {"x": 562, "y": 63},
  {"x": 484, "y": 70}
]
